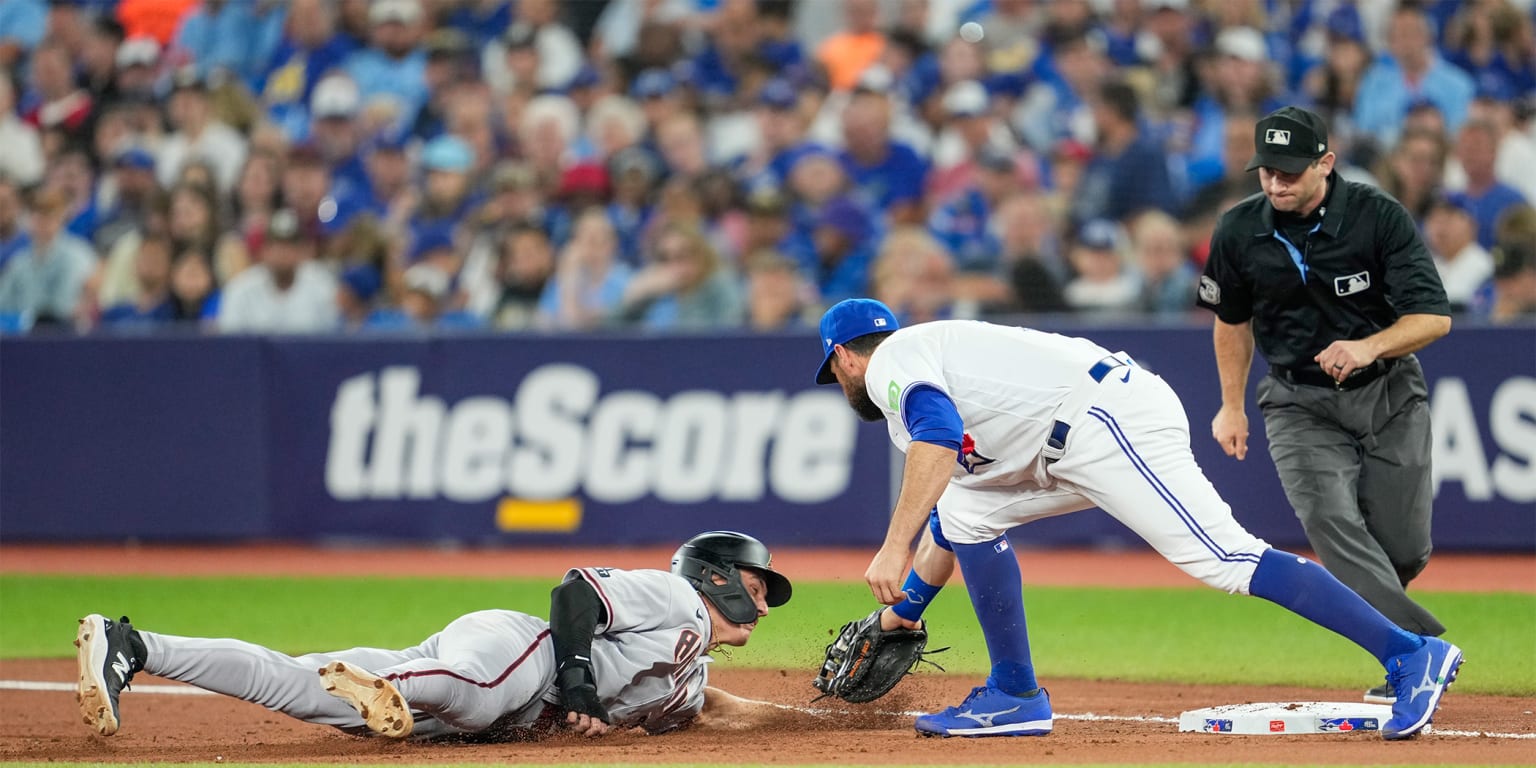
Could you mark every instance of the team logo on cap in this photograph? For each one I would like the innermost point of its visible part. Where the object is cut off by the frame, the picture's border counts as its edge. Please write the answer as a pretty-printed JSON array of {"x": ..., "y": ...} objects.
[
  {"x": 1277, "y": 136},
  {"x": 879, "y": 322}
]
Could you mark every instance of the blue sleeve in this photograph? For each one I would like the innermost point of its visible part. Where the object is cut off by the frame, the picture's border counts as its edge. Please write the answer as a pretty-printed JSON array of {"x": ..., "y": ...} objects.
[{"x": 930, "y": 417}]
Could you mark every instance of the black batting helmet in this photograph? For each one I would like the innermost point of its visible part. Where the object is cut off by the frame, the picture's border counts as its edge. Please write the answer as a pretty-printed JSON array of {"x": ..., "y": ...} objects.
[{"x": 723, "y": 553}]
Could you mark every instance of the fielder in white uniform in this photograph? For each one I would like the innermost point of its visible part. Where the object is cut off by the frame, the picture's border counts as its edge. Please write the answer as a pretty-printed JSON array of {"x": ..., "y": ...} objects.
[
  {"x": 1002, "y": 426},
  {"x": 621, "y": 649}
]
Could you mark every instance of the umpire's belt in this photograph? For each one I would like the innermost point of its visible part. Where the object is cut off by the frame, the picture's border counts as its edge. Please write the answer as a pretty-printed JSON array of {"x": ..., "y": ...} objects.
[
  {"x": 1311, "y": 376},
  {"x": 1056, "y": 444}
]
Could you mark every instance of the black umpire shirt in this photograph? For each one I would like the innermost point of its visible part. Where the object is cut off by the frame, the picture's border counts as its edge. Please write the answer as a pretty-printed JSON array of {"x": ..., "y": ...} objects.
[{"x": 1347, "y": 271}]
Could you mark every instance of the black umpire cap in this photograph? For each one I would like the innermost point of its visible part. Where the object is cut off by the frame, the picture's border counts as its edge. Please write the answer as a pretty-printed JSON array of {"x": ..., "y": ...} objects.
[{"x": 1288, "y": 139}]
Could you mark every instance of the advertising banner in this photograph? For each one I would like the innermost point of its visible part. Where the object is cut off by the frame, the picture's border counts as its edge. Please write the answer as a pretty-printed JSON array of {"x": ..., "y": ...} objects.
[{"x": 602, "y": 441}]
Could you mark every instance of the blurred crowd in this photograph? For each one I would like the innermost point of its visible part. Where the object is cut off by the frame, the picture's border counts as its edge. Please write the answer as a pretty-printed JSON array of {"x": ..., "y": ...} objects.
[{"x": 322, "y": 165}]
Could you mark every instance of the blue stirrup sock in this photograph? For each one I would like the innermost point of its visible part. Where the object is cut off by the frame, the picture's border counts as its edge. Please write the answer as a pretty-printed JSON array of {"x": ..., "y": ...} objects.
[
  {"x": 919, "y": 594},
  {"x": 992, "y": 577},
  {"x": 1311, "y": 592}
]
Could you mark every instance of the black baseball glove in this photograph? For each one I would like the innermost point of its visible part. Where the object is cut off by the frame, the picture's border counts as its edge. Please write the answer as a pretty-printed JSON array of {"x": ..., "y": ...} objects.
[{"x": 865, "y": 662}]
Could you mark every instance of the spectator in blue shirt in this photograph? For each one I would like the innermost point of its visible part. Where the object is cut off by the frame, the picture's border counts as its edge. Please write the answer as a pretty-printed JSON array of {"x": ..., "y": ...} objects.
[
  {"x": 447, "y": 161},
  {"x": 238, "y": 36},
  {"x": 844, "y": 251},
  {"x": 309, "y": 48},
  {"x": 963, "y": 224},
  {"x": 886, "y": 175},
  {"x": 334, "y": 131},
  {"x": 1244, "y": 82},
  {"x": 1129, "y": 171},
  {"x": 22, "y": 24},
  {"x": 1412, "y": 71},
  {"x": 392, "y": 69},
  {"x": 781, "y": 133},
  {"x": 1477, "y": 146}
]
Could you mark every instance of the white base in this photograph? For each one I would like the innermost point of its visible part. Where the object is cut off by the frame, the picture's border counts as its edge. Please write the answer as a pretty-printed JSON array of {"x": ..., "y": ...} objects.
[{"x": 1286, "y": 718}]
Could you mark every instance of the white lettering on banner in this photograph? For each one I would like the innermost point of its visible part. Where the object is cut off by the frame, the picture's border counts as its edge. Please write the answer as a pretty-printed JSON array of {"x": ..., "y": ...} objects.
[
  {"x": 560, "y": 436},
  {"x": 1458, "y": 454}
]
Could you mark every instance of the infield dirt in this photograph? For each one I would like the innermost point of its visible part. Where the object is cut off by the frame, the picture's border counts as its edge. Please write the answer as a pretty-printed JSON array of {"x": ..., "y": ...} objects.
[{"x": 46, "y": 726}]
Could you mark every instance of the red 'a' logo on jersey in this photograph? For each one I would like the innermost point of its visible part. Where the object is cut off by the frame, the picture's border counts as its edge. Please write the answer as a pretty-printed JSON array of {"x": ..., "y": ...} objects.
[{"x": 969, "y": 457}]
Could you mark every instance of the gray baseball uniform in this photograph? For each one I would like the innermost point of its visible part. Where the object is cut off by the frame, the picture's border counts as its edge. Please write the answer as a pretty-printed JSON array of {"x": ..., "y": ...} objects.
[{"x": 487, "y": 667}]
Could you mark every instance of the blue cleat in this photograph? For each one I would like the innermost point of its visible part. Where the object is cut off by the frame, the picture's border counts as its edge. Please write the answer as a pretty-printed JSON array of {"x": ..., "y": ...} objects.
[
  {"x": 1419, "y": 679},
  {"x": 990, "y": 712}
]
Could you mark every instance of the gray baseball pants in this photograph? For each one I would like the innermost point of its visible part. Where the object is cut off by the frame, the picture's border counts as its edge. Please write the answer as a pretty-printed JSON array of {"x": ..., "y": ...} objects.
[
  {"x": 481, "y": 667},
  {"x": 1355, "y": 466}
]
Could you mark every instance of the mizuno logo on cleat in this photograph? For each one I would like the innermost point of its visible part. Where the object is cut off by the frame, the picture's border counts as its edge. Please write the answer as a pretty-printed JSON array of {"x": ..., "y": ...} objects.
[{"x": 985, "y": 719}]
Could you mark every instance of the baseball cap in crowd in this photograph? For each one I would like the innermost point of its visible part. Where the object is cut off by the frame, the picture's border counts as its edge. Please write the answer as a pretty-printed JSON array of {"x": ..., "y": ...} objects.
[
  {"x": 1344, "y": 24},
  {"x": 583, "y": 179},
  {"x": 447, "y": 153},
  {"x": 430, "y": 239},
  {"x": 389, "y": 141},
  {"x": 426, "y": 279},
  {"x": 846, "y": 217},
  {"x": 653, "y": 83},
  {"x": 335, "y": 96},
  {"x": 1099, "y": 235},
  {"x": 1288, "y": 139},
  {"x": 996, "y": 159},
  {"x": 284, "y": 226},
  {"x": 1244, "y": 43},
  {"x": 586, "y": 77},
  {"x": 875, "y": 79},
  {"x": 966, "y": 98},
  {"x": 847, "y": 320},
  {"x": 396, "y": 11},
  {"x": 134, "y": 156},
  {"x": 1512, "y": 258},
  {"x": 519, "y": 36},
  {"x": 778, "y": 94},
  {"x": 363, "y": 280},
  {"x": 138, "y": 52}
]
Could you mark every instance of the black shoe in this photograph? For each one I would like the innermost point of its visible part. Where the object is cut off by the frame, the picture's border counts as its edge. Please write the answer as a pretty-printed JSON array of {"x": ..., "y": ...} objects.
[
  {"x": 110, "y": 653},
  {"x": 1381, "y": 694}
]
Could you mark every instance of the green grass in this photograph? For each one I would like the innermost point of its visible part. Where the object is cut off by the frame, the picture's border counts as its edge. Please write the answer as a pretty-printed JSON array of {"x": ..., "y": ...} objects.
[{"x": 1183, "y": 635}]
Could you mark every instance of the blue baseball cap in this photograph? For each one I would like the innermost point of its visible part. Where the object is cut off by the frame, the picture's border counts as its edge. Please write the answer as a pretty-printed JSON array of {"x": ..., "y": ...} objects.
[
  {"x": 778, "y": 94},
  {"x": 653, "y": 83},
  {"x": 448, "y": 153},
  {"x": 363, "y": 280},
  {"x": 847, "y": 320}
]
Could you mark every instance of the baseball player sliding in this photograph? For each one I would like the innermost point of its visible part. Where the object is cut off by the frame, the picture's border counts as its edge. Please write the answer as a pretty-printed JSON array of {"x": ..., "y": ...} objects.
[
  {"x": 1002, "y": 426},
  {"x": 621, "y": 649}
]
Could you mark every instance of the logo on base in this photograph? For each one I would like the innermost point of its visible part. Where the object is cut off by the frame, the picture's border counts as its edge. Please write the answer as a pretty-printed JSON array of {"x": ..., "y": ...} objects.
[{"x": 1217, "y": 726}]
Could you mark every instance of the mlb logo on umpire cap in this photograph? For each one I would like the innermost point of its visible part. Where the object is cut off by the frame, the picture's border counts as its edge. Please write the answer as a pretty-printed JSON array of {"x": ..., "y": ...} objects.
[
  {"x": 1289, "y": 140},
  {"x": 847, "y": 320}
]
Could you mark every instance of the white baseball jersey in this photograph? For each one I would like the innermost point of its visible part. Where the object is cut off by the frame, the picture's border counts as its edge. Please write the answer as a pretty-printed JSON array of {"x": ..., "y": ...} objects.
[
  {"x": 648, "y": 657},
  {"x": 1124, "y": 441},
  {"x": 1009, "y": 385}
]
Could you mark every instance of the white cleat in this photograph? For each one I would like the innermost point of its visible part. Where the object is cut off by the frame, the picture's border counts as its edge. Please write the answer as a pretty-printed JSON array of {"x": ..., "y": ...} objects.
[{"x": 382, "y": 707}]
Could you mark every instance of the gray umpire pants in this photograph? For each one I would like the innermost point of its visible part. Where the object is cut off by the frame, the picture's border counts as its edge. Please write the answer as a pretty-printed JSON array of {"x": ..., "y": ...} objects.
[{"x": 1355, "y": 466}]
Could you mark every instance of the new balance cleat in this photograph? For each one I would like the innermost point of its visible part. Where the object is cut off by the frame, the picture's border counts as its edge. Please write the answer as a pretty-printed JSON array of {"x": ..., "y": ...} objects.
[
  {"x": 381, "y": 705},
  {"x": 1419, "y": 679},
  {"x": 1381, "y": 694},
  {"x": 990, "y": 712},
  {"x": 110, "y": 652}
]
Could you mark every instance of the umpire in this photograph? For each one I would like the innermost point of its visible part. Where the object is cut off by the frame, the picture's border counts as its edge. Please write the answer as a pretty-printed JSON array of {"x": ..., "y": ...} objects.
[{"x": 1331, "y": 279}]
